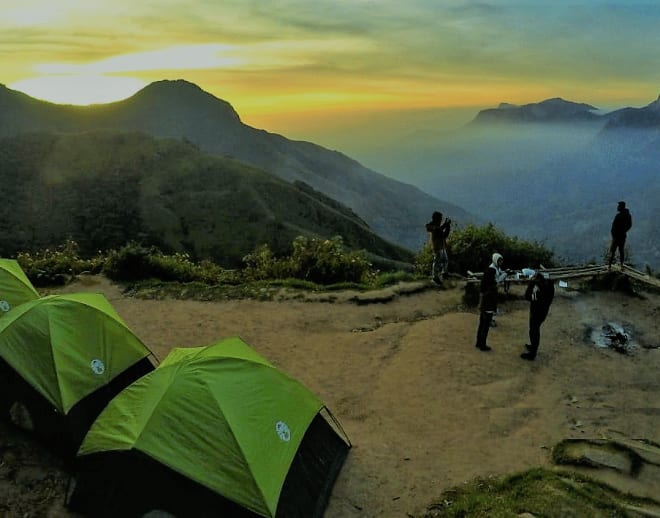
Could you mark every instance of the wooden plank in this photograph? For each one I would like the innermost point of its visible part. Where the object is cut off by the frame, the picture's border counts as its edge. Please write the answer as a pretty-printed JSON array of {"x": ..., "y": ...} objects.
[{"x": 573, "y": 272}]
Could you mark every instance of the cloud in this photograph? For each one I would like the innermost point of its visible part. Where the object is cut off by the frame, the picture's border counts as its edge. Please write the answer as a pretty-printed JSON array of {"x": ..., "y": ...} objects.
[
  {"x": 414, "y": 49},
  {"x": 79, "y": 89}
]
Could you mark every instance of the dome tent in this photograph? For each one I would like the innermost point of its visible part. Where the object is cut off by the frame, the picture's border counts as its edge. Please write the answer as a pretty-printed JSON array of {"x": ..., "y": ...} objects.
[
  {"x": 212, "y": 430},
  {"x": 15, "y": 287},
  {"x": 63, "y": 358}
]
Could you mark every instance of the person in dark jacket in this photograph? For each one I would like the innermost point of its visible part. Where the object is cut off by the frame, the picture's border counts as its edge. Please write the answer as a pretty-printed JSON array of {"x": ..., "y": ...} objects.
[
  {"x": 620, "y": 226},
  {"x": 540, "y": 292},
  {"x": 488, "y": 299},
  {"x": 438, "y": 232}
]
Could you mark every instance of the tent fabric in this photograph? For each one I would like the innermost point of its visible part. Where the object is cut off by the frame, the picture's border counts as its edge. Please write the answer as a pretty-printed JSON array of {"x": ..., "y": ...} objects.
[
  {"x": 15, "y": 287},
  {"x": 111, "y": 484},
  {"x": 68, "y": 346},
  {"x": 221, "y": 415}
]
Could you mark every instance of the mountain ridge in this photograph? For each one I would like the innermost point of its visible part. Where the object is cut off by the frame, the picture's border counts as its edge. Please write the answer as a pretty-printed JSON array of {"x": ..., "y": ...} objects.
[
  {"x": 554, "y": 109},
  {"x": 179, "y": 109},
  {"x": 559, "y": 110}
]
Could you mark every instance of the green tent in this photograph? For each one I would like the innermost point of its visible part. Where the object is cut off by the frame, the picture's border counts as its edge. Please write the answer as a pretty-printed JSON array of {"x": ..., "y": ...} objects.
[
  {"x": 15, "y": 287},
  {"x": 67, "y": 355},
  {"x": 223, "y": 417}
]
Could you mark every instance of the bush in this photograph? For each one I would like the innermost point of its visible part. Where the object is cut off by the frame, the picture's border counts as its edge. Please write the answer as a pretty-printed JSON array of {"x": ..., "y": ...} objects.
[
  {"x": 57, "y": 266},
  {"x": 135, "y": 262},
  {"x": 471, "y": 248},
  {"x": 321, "y": 261}
]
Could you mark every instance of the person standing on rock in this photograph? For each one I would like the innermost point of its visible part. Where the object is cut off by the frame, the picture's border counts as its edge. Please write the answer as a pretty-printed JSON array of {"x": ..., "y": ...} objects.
[
  {"x": 488, "y": 299},
  {"x": 621, "y": 224},
  {"x": 540, "y": 292},
  {"x": 438, "y": 232}
]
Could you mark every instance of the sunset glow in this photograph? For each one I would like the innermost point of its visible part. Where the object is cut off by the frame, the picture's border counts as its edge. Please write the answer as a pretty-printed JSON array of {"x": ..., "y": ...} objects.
[{"x": 278, "y": 60}]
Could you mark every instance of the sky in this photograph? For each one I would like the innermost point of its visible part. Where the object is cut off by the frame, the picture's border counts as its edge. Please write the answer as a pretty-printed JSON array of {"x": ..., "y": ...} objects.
[{"x": 340, "y": 71}]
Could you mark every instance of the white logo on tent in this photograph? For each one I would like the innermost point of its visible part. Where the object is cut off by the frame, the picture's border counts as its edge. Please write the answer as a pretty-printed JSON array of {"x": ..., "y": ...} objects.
[
  {"x": 5, "y": 306},
  {"x": 283, "y": 431},
  {"x": 97, "y": 366}
]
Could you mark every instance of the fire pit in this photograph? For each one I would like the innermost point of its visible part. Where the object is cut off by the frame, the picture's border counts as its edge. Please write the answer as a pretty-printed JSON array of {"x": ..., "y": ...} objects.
[{"x": 613, "y": 336}]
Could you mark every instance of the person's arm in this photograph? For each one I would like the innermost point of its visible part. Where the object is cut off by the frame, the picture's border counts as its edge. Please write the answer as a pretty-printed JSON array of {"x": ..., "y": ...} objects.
[
  {"x": 548, "y": 292},
  {"x": 446, "y": 228},
  {"x": 528, "y": 291}
]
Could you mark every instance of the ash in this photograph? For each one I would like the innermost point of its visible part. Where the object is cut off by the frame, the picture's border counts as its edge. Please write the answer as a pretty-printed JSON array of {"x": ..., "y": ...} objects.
[{"x": 613, "y": 336}]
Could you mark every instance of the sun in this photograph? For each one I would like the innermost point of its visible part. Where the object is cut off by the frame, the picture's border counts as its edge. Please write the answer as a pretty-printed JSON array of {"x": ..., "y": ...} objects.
[{"x": 79, "y": 89}]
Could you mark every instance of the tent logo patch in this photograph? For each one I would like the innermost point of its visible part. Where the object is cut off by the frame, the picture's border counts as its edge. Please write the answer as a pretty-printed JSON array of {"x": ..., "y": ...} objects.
[
  {"x": 97, "y": 366},
  {"x": 283, "y": 431},
  {"x": 5, "y": 306}
]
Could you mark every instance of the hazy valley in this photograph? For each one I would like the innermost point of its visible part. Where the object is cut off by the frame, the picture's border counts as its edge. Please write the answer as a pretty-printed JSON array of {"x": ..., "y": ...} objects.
[{"x": 550, "y": 172}]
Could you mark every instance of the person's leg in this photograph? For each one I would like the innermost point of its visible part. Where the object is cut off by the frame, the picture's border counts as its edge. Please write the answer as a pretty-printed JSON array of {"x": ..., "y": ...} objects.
[
  {"x": 622, "y": 244},
  {"x": 435, "y": 268},
  {"x": 482, "y": 332},
  {"x": 534, "y": 335},
  {"x": 532, "y": 348},
  {"x": 612, "y": 251},
  {"x": 444, "y": 263}
]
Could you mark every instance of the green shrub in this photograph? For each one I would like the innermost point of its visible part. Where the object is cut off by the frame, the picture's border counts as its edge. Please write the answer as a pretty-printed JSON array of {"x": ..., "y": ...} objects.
[
  {"x": 130, "y": 263},
  {"x": 135, "y": 262},
  {"x": 321, "y": 261},
  {"x": 471, "y": 248},
  {"x": 57, "y": 266}
]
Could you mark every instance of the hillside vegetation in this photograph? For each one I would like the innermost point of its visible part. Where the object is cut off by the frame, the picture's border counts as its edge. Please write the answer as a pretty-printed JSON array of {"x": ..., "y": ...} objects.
[{"x": 105, "y": 189}]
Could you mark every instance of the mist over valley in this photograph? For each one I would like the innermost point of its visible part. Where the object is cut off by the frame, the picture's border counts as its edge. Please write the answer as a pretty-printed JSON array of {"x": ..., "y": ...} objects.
[{"x": 551, "y": 171}]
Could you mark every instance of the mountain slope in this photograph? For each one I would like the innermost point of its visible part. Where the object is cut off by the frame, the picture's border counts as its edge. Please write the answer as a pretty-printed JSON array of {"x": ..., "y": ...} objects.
[
  {"x": 105, "y": 188},
  {"x": 178, "y": 109}
]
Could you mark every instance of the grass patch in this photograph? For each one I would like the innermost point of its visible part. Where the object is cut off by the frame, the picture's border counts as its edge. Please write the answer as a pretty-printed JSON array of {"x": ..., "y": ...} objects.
[
  {"x": 254, "y": 290},
  {"x": 156, "y": 289},
  {"x": 540, "y": 492},
  {"x": 267, "y": 289}
]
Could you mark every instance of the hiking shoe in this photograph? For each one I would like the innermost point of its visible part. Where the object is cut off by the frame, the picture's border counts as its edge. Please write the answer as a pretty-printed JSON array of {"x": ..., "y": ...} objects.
[
  {"x": 436, "y": 280},
  {"x": 528, "y": 347},
  {"x": 527, "y": 356},
  {"x": 484, "y": 348}
]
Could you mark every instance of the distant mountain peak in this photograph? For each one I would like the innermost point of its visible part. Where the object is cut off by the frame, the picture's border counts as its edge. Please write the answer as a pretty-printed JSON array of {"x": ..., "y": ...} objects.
[
  {"x": 549, "y": 110},
  {"x": 644, "y": 118},
  {"x": 172, "y": 84}
]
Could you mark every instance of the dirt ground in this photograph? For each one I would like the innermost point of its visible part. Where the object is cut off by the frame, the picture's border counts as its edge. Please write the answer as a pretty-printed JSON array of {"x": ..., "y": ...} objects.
[{"x": 424, "y": 409}]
